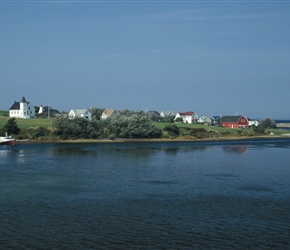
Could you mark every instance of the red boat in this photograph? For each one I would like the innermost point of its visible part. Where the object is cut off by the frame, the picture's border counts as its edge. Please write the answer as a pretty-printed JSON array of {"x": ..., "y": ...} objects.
[{"x": 7, "y": 140}]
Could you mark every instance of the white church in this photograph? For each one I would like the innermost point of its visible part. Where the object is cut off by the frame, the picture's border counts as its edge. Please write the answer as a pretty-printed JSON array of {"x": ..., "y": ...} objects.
[{"x": 22, "y": 109}]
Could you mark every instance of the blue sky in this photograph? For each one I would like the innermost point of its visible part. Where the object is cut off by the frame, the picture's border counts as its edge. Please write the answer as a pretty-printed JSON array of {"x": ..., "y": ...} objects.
[{"x": 212, "y": 57}]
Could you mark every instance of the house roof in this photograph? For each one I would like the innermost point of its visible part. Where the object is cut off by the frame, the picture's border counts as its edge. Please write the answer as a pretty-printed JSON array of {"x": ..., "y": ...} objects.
[
  {"x": 153, "y": 112},
  {"x": 16, "y": 105},
  {"x": 231, "y": 118},
  {"x": 52, "y": 110},
  {"x": 23, "y": 100},
  {"x": 189, "y": 113},
  {"x": 167, "y": 113},
  {"x": 204, "y": 117},
  {"x": 108, "y": 112},
  {"x": 79, "y": 111}
]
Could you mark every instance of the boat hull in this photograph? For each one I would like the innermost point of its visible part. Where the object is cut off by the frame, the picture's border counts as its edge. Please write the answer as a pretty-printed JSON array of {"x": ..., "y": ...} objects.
[{"x": 7, "y": 141}]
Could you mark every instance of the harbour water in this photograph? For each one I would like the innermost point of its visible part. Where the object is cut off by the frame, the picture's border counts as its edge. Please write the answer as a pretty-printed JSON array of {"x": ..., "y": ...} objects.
[{"x": 153, "y": 195}]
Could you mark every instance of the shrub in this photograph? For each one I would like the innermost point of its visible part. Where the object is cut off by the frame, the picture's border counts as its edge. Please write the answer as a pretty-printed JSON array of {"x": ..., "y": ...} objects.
[
  {"x": 267, "y": 123},
  {"x": 130, "y": 124},
  {"x": 172, "y": 130},
  {"x": 178, "y": 120},
  {"x": 79, "y": 128},
  {"x": 11, "y": 127},
  {"x": 259, "y": 130}
]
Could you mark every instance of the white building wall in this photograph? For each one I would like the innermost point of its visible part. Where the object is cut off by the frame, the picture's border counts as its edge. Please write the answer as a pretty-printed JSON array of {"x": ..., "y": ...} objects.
[
  {"x": 256, "y": 123},
  {"x": 31, "y": 110},
  {"x": 86, "y": 115},
  {"x": 26, "y": 110},
  {"x": 187, "y": 119},
  {"x": 13, "y": 113},
  {"x": 71, "y": 114}
]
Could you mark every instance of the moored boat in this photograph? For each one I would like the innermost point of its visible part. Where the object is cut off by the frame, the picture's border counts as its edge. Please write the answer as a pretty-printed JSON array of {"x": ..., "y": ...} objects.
[{"x": 7, "y": 140}]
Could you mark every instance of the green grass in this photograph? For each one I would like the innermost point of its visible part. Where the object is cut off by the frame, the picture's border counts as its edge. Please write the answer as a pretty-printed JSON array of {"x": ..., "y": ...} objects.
[
  {"x": 47, "y": 123},
  {"x": 28, "y": 123},
  {"x": 161, "y": 125},
  {"x": 244, "y": 131},
  {"x": 4, "y": 113}
]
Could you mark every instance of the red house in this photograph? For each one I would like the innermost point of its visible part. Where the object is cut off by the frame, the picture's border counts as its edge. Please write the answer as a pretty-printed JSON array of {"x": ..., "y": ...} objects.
[{"x": 235, "y": 121}]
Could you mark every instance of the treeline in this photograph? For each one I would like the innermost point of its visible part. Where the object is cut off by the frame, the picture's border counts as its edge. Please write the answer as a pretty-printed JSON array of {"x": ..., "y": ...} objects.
[{"x": 125, "y": 124}]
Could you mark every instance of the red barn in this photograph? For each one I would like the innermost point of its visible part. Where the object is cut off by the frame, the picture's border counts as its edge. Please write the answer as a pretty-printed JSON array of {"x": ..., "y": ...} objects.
[{"x": 235, "y": 121}]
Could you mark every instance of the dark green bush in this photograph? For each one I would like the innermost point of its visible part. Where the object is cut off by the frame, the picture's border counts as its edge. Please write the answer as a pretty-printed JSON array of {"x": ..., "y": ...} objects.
[{"x": 172, "y": 130}]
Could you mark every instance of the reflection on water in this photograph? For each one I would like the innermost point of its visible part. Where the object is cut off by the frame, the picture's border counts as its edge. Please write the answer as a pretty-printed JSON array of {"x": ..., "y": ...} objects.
[
  {"x": 4, "y": 153},
  {"x": 174, "y": 150},
  {"x": 187, "y": 195},
  {"x": 72, "y": 151},
  {"x": 18, "y": 156},
  {"x": 235, "y": 148}
]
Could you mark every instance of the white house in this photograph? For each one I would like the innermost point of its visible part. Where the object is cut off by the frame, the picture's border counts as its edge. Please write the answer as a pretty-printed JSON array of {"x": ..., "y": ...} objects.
[
  {"x": 167, "y": 113},
  {"x": 22, "y": 109},
  {"x": 253, "y": 122},
  {"x": 107, "y": 113},
  {"x": 80, "y": 113},
  {"x": 204, "y": 119},
  {"x": 187, "y": 117}
]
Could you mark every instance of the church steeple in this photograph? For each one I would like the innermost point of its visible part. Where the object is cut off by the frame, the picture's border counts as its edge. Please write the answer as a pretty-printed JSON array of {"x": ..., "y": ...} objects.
[{"x": 23, "y": 100}]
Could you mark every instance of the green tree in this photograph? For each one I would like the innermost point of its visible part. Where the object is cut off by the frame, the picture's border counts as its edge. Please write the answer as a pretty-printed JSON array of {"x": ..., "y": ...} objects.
[
  {"x": 71, "y": 129},
  {"x": 40, "y": 132},
  {"x": 259, "y": 130},
  {"x": 79, "y": 128},
  {"x": 172, "y": 130},
  {"x": 130, "y": 124},
  {"x": 96, "y": 129},
  {"x": 11, "y": 127},
  {"x": 267, "y": 123},
  {"x": 153, "y": 116},
  {"x": 179, "y": 120},
  {"x": 168, "y": 118},
  {"x": 97, "y": 112}
]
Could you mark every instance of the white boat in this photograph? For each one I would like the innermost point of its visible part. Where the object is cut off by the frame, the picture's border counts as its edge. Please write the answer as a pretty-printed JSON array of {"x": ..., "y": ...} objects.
[{"x": 7, "y": 140}]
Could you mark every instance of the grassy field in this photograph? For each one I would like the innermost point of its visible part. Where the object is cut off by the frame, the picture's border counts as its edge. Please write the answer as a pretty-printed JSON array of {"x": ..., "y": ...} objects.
[
  {"x": 4, "y": 113},
  {"x": 28, "y": 123},
  {"x": 244, "y": 131},
  {"x": 161, "y": 125}
]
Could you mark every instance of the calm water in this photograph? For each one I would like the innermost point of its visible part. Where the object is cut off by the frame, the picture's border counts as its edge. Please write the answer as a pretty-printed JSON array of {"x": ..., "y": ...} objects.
[{"x": 219, "y": 195}]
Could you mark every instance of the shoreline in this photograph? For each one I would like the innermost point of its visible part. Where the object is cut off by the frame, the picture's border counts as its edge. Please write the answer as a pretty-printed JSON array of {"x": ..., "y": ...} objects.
[
  {"x": 217, "y": 139},
  {"x": 283, "y": 125}
]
